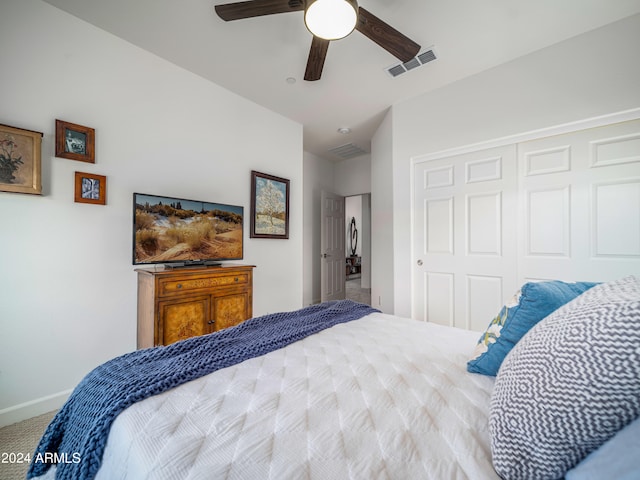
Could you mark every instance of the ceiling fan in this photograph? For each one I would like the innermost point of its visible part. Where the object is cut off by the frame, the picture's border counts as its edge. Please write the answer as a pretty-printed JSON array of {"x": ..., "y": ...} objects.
[{"x": 327, "y": 20}]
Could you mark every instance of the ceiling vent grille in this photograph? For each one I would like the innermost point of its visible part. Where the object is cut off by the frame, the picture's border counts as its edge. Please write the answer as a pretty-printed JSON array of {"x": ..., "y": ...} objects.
[
  {"x": 347, "y": 151},
  {"x": 417, "y": 61}
]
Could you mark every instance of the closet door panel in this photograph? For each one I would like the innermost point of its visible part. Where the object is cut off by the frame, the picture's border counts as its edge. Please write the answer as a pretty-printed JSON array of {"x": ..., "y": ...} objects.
[
  {"x": 579, "y": 203},
  {"x": 464, "y": 242}
]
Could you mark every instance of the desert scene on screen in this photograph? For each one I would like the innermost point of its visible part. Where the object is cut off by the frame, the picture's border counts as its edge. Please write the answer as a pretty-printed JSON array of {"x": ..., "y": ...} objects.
[{"x": 170, "y": 232}]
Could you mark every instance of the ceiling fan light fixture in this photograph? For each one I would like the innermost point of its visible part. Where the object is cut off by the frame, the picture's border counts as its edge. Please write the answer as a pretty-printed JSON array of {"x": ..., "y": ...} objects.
[{"x": 331, "y": 19}]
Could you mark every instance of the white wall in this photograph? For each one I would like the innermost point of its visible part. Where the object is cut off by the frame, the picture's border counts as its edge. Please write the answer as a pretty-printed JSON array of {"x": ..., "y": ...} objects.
[
  {"x": 365, "y": 229},
  {"x": 67, "y": 288},
  {"x": 318, "y": 176},
  {"x": 382, "y": 246},
  {"x": 353, "y": 176},
  {"x": 587, "y": 76}
]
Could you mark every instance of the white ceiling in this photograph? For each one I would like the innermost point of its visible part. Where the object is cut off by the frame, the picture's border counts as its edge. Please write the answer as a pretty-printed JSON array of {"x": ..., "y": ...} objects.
[{"x": 255, "y": 57}]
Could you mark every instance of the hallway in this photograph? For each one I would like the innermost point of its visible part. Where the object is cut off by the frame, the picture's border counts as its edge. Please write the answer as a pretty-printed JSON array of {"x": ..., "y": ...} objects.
[{"x": 356, "y": 293}]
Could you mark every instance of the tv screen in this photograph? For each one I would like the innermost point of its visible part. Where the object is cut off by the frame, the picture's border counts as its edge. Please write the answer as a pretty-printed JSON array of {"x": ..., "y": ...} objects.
[{"x": 180, "y": 231}]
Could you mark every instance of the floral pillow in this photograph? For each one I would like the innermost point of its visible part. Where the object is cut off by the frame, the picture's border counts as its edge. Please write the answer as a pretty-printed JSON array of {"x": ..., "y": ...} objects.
[{"x": 533, "y": 302}]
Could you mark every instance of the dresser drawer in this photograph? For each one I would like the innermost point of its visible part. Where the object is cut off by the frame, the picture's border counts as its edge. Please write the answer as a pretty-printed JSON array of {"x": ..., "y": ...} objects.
[{"x": 170, "y": 286}]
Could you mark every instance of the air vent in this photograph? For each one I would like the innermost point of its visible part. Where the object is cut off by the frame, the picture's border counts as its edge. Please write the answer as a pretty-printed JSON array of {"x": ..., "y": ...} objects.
[
  {"x": 417, "y": 61},
  {"x": 347, "y": 151},
  {"x": 397, "y": 70}
]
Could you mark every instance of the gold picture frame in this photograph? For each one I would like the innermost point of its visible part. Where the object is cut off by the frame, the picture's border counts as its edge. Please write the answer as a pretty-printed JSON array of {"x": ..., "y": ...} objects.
[
  {"x": 20, "y": 160},
  {"x": 90, "y": 188},
  {"x": 75, "y": 142}
]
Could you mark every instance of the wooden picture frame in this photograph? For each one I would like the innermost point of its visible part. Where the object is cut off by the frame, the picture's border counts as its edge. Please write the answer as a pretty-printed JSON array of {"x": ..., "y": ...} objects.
[
  {"x": 269, "y": 206},
  {"x": 20, "y": 160},
  {"x": 75, "y": 142},
  {"x": 90, "y": 188}
]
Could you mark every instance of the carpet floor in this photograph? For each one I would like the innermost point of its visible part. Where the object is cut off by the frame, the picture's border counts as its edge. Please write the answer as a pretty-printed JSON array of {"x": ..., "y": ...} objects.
[{"x": 18, "y": 441}]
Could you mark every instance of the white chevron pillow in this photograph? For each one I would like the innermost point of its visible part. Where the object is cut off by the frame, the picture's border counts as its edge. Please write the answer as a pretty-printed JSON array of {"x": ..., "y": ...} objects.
[{"x": 569, "y": 385}]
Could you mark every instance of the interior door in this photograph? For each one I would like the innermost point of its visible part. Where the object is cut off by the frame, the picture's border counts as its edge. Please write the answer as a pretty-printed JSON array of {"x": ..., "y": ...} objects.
[
  {"x": 332, "y": 247},
  {"x": 464, "y": 239}
]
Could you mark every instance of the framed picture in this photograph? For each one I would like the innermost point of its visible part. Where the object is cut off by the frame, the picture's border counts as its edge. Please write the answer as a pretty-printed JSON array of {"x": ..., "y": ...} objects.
[
  {"x": 91, "y": 188},
  {"x": 75, "y": 142},
  {"x": 269, "y": 206},
  {"x": 20, "y": 160}
]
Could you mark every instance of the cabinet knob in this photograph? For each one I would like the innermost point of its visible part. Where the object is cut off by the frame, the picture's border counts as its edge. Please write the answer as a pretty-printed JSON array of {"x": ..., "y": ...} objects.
[
  {"x": 236, "y": 279},
  {"x": 211, "y": 322},
  {"x": 179, "y": 285}
]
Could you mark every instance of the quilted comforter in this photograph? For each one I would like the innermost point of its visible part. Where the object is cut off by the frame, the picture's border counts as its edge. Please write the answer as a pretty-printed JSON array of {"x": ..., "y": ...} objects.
[
  {"x": 79, "y": 430},
  {"x": 381, "y": 397}
]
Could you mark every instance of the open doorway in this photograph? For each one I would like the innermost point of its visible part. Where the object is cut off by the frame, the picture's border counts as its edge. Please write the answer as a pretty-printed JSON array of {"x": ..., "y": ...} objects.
[{"x": 358, "y": 248}]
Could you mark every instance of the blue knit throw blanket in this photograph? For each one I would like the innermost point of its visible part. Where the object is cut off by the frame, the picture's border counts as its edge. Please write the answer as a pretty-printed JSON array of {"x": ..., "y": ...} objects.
[{"x": 76, "y": 437}]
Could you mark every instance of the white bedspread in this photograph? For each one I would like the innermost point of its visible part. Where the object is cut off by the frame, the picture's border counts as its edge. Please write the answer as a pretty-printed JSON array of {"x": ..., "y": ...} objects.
[{"x": 377, "y": 398}]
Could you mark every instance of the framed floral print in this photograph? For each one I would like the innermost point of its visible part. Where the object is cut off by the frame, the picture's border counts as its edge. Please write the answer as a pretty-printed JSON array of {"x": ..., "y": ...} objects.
[{"x": 20, "y": 160}]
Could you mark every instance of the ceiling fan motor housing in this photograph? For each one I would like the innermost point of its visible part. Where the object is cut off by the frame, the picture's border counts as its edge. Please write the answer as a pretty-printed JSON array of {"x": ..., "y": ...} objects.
[{"x": 331, "y": 19}]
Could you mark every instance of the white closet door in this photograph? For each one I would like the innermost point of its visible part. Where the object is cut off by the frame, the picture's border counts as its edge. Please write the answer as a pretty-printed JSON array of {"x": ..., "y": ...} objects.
[
  {"x": 563, "y": 207},
  {"x": 464, "y": 237},
  {"x": 580, "y": 205}
]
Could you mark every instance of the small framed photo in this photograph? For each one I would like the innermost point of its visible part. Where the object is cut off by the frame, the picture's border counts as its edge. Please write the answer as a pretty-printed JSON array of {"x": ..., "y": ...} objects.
[
  {"x": 269, "y": 206},
  {"x": 75, "y": 142},
  {"x": 20, "y": 160},
  {"x": 91, "y": 188}
]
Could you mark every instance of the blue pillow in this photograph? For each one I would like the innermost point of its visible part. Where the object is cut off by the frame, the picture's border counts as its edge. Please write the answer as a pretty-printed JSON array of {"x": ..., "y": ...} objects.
[
  {"x": 617, "y": 458},
  {"x": 533, "y": 302}
]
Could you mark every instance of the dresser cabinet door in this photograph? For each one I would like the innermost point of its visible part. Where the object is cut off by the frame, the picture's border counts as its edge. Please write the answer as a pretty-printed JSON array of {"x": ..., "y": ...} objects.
[
  {"x": 230, "y": 310},
  {"x": 179, "y": 319}
]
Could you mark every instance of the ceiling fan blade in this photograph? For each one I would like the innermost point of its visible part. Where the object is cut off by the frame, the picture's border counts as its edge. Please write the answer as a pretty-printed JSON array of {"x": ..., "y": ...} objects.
[
  {"x": 317, "y": 54},
  {"x": 257, "y": 8},
  {"x": 386, "y": 36}
]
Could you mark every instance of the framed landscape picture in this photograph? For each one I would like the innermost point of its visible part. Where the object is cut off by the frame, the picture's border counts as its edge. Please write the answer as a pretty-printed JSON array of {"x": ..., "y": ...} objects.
[
  {"x": 91, "y": 188},
  {"x": 269, "y": 206},
  {"x": 20, "y": 160},
  {"x": 75, "y": 142}
]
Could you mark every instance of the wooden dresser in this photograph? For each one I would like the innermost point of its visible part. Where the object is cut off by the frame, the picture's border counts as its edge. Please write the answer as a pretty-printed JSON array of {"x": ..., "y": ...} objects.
[{"x": 182, "y": 303}]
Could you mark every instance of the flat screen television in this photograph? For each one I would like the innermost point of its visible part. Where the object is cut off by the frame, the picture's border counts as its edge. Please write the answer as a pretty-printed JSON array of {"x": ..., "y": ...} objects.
[{"x": 180, "y": 232}]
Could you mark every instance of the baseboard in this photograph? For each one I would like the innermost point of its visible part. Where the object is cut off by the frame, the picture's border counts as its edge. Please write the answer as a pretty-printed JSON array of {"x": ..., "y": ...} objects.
[{"x": 33, "y": 408}]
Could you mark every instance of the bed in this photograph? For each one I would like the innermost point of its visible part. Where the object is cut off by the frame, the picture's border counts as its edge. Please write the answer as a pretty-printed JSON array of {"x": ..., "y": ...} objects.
[{"x": 377, "y": 396}]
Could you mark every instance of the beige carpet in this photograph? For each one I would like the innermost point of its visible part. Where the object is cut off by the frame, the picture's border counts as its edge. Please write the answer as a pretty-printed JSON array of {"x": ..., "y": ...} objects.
[{"x": 20, "y": 440}]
